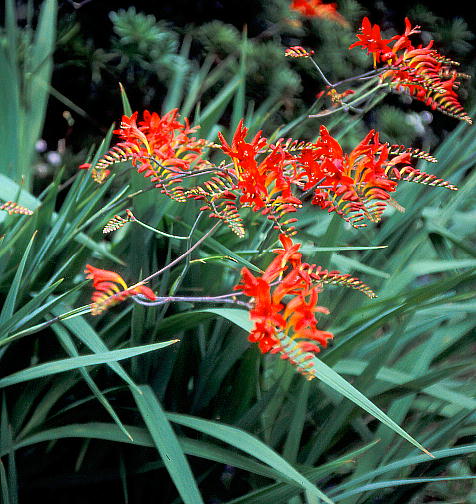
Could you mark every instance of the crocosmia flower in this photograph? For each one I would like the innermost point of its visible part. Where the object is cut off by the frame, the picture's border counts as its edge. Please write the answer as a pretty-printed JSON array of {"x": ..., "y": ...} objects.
[
  {"x": 371, "y": 39},
  {"x": 358, "y": 186},
  {"x": 111, "y": 289},
  {"x": 422, "y": 72},
  {"x": 161, "y": 148},
  {"x": 284, "y": 305},
  {"x": 264, "y": 184},
  {"x": 285, "y": 300},
  {"x": 317, "y": 8}
]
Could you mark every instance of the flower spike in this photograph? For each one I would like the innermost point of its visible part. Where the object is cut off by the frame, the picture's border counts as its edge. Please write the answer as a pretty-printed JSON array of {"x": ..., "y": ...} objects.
[
  {"x": 284, "y": 302},
  {"x": 159, "y": 147},
  {"x": 117, "y": 222},
  {"x": 298, "y": 52},
  {"x": 111, "y": 289},
  {"x": 419, "y": 71}
]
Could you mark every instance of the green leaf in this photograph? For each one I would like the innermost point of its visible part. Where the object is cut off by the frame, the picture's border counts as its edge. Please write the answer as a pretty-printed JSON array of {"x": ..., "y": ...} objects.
[
  {"x": 393, "y": 483},
  {"x": 126, "y": 106},
  {"x": 249, "y": 444},
  {"x": 62, "y": 365},
  {"x": 336, "y": 382},
  {"x": 409, "y": 461},
  {"x": 9, "y": 306},
  {"x": 239, "y": 317},
  {"x": 167, "y": 445},
  {"x": 142, "y": 437},
  {"x": 68, "y": 343}
]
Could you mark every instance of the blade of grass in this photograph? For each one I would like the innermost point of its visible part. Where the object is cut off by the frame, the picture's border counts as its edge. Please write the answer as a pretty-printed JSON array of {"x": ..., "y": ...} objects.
[
  {"x": 62, "y": 365},
  {"x": 9, "y": 305},
  {"x": 167, "y": 445},
  {"x": 248, "y": 444}
]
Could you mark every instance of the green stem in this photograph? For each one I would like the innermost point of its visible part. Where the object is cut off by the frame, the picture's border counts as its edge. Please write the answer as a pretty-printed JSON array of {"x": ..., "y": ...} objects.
[
  {"x": 351, "y": 104},
  {"x": 150, "y": 228},
  {"x": 180, "y": 258}
]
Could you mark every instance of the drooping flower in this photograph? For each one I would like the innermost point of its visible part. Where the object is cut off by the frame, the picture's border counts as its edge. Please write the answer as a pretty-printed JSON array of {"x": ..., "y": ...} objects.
[
  {"x": 272, "y": 314},
  {"x": 358, "y": 185},
  {"x": 111, "y": 289},
  {"x": 420, "y": 71},
  {"x": 285, "y": 301},
  {"x": 317, "y": 8},
  {"x": 264, "y": 185}
]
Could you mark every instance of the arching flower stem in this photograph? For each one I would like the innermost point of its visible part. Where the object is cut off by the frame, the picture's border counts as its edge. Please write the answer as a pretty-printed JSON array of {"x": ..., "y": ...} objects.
[
  {"x": 181, "y": 257},
  {"x": 227, "y": 298},
  {"x": 376, "y": 72},
  {"x": 321, "y": 73},
  {"x": 162, "y": 233}
]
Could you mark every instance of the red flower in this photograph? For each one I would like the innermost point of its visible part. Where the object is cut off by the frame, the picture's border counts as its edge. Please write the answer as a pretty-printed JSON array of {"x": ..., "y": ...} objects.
[
  {"x": 371, "y": 39},
  {"x": 266, "y": 185},
  {"x": 421, "y": 71},
  {"x": 316, "y": 8},
  {"x": 357, "y": 185},
  {"x": 160, "y": 148},
  {"x": 110, "y": 289}
]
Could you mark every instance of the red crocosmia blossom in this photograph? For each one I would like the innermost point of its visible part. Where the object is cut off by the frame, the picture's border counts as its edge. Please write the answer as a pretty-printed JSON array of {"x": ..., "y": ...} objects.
[
  {"x": 317, "y": 8},
  {"x": 371, "y": 39},
  {"x": 357, "y": 185},
  {"x": 161, "y": 148},
  {"x": 111, "y": 289},
  {"x": 264, "y": 185},
  {"x": 420, "y": 71},
  {"x": 130, "y": 132},
  {"x": 284, "y": 301}
]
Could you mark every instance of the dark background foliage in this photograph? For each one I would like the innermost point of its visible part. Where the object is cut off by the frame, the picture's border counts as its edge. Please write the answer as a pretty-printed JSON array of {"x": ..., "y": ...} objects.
[
  {"x": 92, "y": 56},
  {"x": 101, "y": 43}
]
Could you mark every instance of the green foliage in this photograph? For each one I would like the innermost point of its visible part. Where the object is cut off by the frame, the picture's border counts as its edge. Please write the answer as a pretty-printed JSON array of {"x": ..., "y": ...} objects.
[
  {"x": 143, "y": 43},
  {"x": 26, "y": 62},
  {"x": 110, "y": 398},
  {"x": 218, "y": 38}
]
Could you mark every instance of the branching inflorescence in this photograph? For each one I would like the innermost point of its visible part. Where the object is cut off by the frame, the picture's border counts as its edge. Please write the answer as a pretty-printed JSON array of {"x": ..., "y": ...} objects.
[
  {"x": 420, "y": 71},
  {"x": 276, "y": 179}
]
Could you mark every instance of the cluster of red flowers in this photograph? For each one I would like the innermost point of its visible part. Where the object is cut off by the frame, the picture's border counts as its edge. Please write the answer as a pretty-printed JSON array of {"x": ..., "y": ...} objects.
[
  {"x": 275, "y": 178},
  {"x": 264, "y": 186},
  {"x": 269, "y": 177},
  {"x": 317, "y": 8},
  {"x": 421, "y": 71},
  {"x": 356, "y": 186},
  {"x": 160, "y": 148},
  {"x": 285, "y": 303},
  {"x": 111, "y": 289},
  {"x": 271, "y": 315}
]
